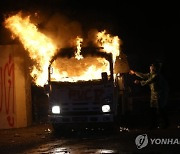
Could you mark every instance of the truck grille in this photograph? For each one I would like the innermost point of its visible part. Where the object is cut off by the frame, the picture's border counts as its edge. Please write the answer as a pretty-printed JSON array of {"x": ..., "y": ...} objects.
[{"x": 74, "y": 113}]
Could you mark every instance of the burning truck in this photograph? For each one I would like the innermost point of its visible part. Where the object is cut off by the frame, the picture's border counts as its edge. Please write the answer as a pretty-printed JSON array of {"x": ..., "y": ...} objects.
[
  {"x": 81, "y": 82},
  {"x": 84, "y": 103}
]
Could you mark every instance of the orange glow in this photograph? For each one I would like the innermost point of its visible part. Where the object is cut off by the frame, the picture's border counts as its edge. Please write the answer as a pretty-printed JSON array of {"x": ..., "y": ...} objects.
[
  {"x": 72, "y": 70},
  {"x": 78, "y": 53},
  {"x": 41, "y": 49},
  {"x": 109, "y": 43}
]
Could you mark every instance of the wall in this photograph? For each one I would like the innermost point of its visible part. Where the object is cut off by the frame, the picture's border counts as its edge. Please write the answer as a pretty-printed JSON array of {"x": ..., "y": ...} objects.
[{"x": 15, "y": 90}]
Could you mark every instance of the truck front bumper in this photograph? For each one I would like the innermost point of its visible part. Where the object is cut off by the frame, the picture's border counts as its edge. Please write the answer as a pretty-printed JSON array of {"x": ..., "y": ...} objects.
[{"x": 105, "y": 118}]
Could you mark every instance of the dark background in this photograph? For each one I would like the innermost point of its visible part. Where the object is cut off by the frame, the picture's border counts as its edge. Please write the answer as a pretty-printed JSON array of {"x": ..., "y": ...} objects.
[{"x": 149, "y": 30}]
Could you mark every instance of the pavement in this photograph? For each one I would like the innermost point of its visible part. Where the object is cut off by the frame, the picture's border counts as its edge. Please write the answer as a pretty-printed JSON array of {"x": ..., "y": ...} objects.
[
  {"x": 24, "y": 138},
  {"x": 21, "y": 139}
]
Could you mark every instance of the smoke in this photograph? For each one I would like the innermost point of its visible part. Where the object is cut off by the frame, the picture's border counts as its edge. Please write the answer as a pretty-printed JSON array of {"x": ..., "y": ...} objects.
[
  {"x": 90, "y": 51},
  {"x": 91, "y": 37},
  {"x": 62, "y": 30}
]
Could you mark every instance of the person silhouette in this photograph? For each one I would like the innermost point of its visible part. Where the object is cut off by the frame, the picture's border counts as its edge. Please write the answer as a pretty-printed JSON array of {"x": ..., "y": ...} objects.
[{"x": 159, "y": 94}]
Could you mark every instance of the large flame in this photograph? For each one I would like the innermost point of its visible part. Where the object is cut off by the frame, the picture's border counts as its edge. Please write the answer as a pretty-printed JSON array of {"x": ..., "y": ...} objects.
[
  {"x": 109, "y": 43},
  {"x": 72, "y": 70},
  {"x": 41, "y": 49}
]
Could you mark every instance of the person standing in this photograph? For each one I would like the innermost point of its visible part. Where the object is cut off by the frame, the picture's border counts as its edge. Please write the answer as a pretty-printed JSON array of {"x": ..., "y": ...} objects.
[{"x": 159, "y": 94}]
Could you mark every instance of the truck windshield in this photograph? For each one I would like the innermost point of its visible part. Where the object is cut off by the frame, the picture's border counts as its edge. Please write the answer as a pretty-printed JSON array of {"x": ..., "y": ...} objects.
[
  {"x": 90, "y": 64},
  {"x": 72, "y": 69}
]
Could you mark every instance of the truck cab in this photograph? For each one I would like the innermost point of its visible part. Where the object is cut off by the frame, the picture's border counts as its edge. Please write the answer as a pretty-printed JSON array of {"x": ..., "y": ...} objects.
[{"x": 90, "y": 103}]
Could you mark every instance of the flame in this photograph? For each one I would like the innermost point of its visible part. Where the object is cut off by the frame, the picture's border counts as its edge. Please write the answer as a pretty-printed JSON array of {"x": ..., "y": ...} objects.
[
  {"x": 41, "y": 49},
  {"x": 78, "y": 53},
  {"x": 109, "y": 43},
  {"x": 72, "y": 70}
]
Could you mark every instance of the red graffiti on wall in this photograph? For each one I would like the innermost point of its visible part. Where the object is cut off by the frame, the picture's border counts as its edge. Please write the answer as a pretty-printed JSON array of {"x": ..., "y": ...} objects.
[{"x": 7, "y": 90}]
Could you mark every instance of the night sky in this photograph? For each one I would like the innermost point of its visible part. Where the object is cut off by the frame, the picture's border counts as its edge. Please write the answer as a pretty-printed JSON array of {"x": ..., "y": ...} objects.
[{"x": 149, "y": 30}]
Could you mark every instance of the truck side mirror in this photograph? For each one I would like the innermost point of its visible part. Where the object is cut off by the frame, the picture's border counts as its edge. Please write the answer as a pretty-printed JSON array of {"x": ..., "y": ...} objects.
[{"x": 46, "y": 88}]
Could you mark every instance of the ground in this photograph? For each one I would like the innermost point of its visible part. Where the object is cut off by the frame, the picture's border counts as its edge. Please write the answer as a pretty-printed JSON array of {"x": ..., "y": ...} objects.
[
  {"x": 24, "y": 138},
  {"x": 41, "y": 135}
]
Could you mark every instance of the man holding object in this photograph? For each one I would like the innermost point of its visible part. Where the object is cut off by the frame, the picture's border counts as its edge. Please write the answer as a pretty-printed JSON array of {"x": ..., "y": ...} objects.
[{"x": 159, "y": 94}]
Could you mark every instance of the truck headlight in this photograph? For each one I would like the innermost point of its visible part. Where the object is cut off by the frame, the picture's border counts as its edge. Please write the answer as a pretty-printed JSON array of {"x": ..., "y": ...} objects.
[
  {"x": 106, "y": 108},
  {"x": 56, "y": 109}
]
